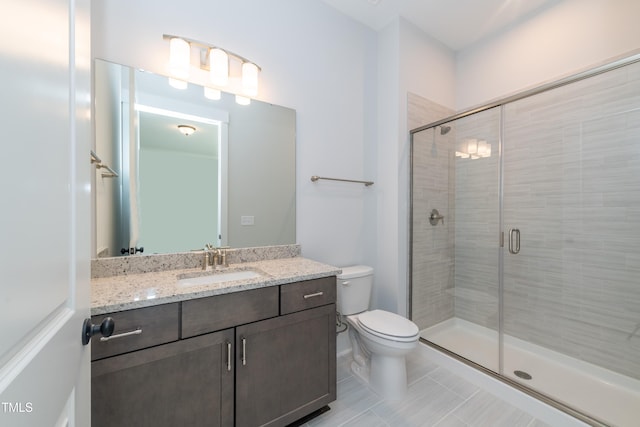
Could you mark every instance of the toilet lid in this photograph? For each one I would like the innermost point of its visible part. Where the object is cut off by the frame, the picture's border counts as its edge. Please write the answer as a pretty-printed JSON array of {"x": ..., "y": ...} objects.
[{"x": 380, "y": 322}]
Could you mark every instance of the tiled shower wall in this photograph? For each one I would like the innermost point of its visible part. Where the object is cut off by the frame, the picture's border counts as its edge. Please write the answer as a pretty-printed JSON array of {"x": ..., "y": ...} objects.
[{"x": 433, "y": 187}]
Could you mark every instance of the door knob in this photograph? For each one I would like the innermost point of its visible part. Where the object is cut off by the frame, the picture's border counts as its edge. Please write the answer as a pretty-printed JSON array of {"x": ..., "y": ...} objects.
[{"x": 105, "y": 328}]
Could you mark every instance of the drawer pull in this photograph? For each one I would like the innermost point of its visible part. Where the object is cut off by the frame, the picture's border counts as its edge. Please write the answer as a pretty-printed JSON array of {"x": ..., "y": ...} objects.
[
  {"x": 124, "y": 334},
  {"x": 228, "y": 356},
  {"x": 317, "y": 294}
]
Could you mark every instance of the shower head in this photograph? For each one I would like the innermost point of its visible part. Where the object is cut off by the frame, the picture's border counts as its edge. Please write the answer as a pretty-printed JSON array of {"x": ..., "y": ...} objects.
[{"x": 444, "y": 129}]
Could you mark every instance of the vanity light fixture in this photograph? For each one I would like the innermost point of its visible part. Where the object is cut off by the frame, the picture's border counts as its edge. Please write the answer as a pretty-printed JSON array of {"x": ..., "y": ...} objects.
[
  {"x": 218, "y": 62},
  {"x": 186, "y": 130}
]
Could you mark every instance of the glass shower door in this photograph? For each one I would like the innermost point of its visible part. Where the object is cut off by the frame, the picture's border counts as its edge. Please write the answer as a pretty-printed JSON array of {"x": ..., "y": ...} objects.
[
  {"x": 455, "y": 236},
  {"x": 571, "y": 219}
]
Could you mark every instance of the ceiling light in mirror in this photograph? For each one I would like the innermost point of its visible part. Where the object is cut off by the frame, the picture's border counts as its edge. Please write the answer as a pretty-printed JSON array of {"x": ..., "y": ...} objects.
[{"x": 186, "y": 130}]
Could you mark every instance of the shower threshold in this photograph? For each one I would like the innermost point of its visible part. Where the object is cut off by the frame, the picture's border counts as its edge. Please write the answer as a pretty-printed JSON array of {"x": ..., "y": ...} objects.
[{"x": 595, "y": 391}]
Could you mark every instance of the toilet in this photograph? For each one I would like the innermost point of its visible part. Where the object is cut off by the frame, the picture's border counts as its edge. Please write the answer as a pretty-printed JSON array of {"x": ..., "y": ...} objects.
[{"x": 380, "y": 339}]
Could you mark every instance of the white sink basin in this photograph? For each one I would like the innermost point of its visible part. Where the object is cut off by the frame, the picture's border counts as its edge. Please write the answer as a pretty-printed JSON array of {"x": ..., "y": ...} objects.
[{"x": 219, "y": 277}]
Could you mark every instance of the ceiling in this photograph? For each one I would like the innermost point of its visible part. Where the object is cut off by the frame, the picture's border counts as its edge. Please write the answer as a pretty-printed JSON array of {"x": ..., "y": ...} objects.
[{"x": 455, "y": 23}]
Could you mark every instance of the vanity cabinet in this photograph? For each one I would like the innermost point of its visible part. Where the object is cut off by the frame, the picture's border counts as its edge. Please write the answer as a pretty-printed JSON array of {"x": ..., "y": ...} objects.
[{"x": 263, "y": 357}]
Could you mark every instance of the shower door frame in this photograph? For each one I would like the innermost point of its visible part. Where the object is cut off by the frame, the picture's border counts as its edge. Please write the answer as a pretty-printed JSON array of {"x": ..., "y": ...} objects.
[{"x": 619, "y": 62}]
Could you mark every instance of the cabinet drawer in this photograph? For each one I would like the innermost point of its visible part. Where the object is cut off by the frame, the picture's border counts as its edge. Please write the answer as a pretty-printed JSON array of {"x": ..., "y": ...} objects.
[
  {"x": 157, "y": 325},
  {"x": 203, "y": 315},
  {"x": 308, "y": 294}
]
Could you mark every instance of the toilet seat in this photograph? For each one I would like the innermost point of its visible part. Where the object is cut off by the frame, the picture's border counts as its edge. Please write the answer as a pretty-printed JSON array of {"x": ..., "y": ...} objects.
[{"x": 387, "y": 325}]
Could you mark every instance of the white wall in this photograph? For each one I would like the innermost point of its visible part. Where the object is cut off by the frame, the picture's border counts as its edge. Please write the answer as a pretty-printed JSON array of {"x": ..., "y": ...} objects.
[
  {"x": 565, "y": 38},
  {"x": 315, "y": 61},
  {"x": 409, "y": 61}
]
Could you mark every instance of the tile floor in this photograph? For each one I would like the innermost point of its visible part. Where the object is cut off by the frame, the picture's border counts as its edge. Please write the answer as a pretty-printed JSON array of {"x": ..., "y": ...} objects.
[{"x": 436, "y": 397}]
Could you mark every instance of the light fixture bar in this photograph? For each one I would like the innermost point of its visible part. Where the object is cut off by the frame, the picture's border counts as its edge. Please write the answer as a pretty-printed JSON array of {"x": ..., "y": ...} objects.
[{"x": 203, "y": 45}]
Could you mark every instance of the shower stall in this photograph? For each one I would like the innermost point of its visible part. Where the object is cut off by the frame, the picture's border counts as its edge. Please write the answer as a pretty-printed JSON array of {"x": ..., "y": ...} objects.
[{"x": 525, "y": 241}]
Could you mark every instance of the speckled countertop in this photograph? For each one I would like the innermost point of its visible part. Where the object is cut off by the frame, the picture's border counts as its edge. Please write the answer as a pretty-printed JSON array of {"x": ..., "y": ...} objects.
[{"x": 125, "y": 292}]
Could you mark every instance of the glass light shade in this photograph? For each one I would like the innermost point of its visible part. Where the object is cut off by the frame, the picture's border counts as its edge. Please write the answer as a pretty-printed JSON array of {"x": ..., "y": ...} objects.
[
  {"x": 250, "y": 78},
  {"x": 462, "y": 155},
  {"x": 211, "y": 93},
  {"x": 178, "y": 84},
  {"x": 243, "y": 100},
  {"x": 218, "y": 67},
  {"x": 179, "y": 58}
]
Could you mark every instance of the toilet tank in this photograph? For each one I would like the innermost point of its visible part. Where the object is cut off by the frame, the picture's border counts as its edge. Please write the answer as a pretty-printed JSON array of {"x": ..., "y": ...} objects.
[{"x": 354, "y": 289}]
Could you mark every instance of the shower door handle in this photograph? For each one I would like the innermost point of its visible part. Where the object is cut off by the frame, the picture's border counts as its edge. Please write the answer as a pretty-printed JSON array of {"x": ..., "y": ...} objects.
[{"x": 514, "y": 241}]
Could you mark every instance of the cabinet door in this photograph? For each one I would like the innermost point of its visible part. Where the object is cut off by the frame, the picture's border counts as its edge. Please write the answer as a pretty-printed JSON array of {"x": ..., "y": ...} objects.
[
  {"x": 285, "y": 367},
  {"x": 185, "y": 383}
]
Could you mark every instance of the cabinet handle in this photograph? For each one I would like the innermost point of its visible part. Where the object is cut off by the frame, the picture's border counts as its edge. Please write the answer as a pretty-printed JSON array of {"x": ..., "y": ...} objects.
[
  {"x": 228, "y": 356},
  {"x": 317, "y": 294},
  {"x": 124, "y": 334},
  {"x": 244, "y": 351}
]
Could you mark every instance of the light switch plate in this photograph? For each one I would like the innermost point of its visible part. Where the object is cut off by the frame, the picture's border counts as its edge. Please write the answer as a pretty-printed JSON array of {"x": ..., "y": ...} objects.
[{"x": 246, "y": 220}]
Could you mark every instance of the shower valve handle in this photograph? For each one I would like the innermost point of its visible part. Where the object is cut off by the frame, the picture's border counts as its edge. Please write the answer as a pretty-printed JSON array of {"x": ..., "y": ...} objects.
[{"x": 435, "y": 217}]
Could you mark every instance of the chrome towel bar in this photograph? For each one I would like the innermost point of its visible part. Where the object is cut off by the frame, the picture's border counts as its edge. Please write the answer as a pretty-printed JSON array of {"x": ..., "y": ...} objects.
[
  {"x": 98, "y": 162},
  {"x": 314, "y": 178}
]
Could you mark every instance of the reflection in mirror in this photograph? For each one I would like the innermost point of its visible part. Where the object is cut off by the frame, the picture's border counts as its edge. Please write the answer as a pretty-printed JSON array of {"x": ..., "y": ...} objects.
[{"x": 229, "y": 182}]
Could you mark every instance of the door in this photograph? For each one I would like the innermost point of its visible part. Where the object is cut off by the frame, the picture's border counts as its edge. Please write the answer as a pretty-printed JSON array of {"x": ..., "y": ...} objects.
[
  {"x": 44, "y": 255},
  {"x": 183, "y": 383},
  {"x": 571, "y": 205}
]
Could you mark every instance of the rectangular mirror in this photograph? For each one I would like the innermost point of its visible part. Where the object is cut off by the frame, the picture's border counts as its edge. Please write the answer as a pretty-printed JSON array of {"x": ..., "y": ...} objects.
[{"x": 190, "y": 170}]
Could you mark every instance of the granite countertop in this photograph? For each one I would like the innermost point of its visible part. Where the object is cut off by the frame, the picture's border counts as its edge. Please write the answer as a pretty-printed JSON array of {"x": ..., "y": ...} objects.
[{"x": 118, "y": 293}]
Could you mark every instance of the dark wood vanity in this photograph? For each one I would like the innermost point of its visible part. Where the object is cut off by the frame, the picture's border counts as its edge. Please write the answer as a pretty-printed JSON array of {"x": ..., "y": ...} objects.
[{"x": 260, "y": 357}]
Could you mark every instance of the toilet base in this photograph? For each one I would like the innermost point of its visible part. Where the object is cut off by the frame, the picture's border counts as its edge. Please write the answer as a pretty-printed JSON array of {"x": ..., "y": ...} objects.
[{"x": 388, "y": 376}]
